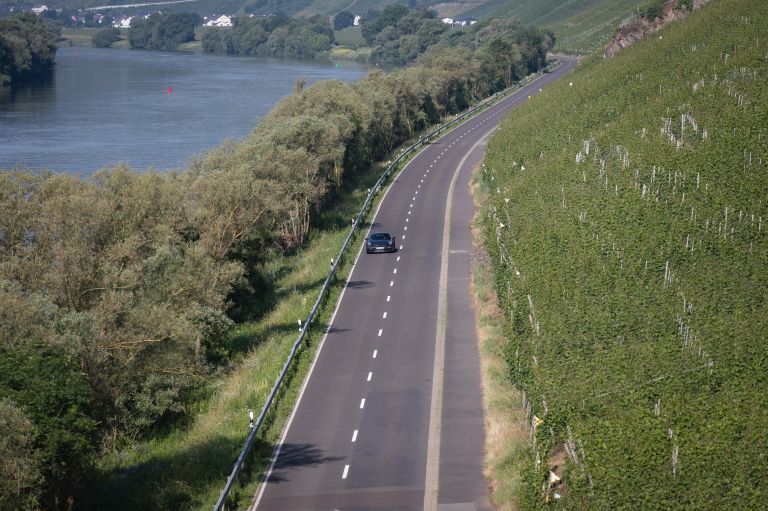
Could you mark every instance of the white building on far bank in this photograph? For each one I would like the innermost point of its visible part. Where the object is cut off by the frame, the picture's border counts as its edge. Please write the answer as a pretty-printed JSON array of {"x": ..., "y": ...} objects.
[{"x": 221, "y": 21}]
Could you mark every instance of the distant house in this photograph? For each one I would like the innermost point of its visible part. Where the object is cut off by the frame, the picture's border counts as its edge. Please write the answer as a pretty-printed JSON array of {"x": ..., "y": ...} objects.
[
  {"x": 123, "y": 22},
  {"x": 447, "y": 21},
  {"x": 38, "y": 9},
  {"x": 465, "y": 22},
  {"x": 356, "y": 22},
  {"x": 221, "y": 21}
]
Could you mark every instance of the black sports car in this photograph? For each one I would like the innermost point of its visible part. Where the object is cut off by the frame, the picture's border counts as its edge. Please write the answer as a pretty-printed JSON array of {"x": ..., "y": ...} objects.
[{"x": 379, "y": 242}]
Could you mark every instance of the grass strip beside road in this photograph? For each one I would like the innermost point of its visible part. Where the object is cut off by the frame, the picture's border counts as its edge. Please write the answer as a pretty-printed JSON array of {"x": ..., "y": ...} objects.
[{"x": 506, "y": 431}]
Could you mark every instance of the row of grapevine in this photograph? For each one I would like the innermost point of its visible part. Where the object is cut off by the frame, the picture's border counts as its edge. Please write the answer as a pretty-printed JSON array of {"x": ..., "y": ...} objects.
[{"x": 626, "y": 228}]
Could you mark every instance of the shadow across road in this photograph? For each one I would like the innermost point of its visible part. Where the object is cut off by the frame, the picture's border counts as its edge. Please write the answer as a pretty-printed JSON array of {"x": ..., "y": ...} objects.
[{"x": 298, "y": 455}]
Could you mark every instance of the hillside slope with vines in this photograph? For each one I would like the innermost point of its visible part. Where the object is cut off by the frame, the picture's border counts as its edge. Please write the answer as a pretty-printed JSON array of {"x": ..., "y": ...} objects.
[{"x": 626, "y": 224}]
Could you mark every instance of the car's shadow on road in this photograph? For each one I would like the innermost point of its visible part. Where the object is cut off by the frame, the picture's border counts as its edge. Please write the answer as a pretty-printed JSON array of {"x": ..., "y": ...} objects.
[{"x": 298, "y": 455}]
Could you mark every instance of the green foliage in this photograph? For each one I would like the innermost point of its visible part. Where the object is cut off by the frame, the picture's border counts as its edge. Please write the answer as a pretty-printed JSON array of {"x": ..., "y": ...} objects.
[
  {"x": 652, "y": 9},
  {"x": 163, "y": 31},
  {"x": 20, "y": 477},
  {"x": 276, "y": 36},
  {"x": 626, "y": 227},
  {"x": 47, "y": 384},
  {"x": 27, "y": 47},
  {"x": 104, "y": 38},
  {"x": 343, "y": 20}
]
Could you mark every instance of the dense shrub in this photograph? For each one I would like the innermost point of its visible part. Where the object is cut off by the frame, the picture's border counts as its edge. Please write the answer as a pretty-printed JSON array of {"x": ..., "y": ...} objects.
[
  {"x": 27, "y": 47},
  {"x": 104, "y": 38},
  {"x": 163, "y": 31}
]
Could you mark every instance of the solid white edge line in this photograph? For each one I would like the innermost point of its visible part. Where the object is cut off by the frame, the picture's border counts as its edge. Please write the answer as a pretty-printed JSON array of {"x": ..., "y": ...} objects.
[{"x": 432, "y": 475}]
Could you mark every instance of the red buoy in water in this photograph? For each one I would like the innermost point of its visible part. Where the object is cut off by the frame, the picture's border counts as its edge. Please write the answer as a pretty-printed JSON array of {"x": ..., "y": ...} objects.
[{"x": 170, "y": 89}]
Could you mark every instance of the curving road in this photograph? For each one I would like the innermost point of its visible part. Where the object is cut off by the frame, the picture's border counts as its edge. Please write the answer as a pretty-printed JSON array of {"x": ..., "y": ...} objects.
[{"x": 391, "y": 414}]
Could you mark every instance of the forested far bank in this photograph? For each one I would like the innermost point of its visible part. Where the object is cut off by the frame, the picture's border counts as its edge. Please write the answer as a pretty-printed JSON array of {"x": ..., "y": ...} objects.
[
  {"x": 118, "y": 293},
  {"x": 27, "y": 47}
]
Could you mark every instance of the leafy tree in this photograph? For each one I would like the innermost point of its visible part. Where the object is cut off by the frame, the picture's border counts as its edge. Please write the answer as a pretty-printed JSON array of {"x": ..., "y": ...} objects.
[
  {"x": 27, "y": 47},
  {"x": 343, "y": 20},
  {"x": 105, "y": 38},
  {"x": 20, "y": 477},
  {"x": 47, "y": 384},
  {"x": 163, "y": 31}
]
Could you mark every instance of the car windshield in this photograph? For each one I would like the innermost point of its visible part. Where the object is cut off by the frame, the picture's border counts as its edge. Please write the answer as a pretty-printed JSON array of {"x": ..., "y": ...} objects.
[{"x": 380, "y": 236}]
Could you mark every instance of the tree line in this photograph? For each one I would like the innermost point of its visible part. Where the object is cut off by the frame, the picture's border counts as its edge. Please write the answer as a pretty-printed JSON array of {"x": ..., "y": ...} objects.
[
  {"x": 162, "y": 31},
  {"x": 273, "y": 36},
  {"x": 117, "y": 292},
  {"x": 27, "y": 47}
]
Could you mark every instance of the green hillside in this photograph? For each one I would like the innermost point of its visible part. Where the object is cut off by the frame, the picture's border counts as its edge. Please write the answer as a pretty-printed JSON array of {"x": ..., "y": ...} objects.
[
  {"x": 626, "y": 223},
  {"x": 581, "y": 26}
]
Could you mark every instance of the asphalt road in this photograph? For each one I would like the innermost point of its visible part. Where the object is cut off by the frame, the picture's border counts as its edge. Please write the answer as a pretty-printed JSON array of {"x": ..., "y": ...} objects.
[{"x": 391, "y": 415}]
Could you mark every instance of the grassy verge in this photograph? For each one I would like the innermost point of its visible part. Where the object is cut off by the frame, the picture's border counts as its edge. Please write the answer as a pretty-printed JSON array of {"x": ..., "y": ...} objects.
[{"x": 506, "y": 435}]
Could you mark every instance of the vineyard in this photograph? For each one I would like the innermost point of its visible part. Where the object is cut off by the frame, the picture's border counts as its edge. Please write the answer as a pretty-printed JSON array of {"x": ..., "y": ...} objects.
[{"x": 627, "y": 227}]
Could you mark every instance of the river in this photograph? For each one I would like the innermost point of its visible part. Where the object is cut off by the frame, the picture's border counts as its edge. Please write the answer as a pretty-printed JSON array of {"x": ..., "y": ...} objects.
[{"x": 147, "y": 109}]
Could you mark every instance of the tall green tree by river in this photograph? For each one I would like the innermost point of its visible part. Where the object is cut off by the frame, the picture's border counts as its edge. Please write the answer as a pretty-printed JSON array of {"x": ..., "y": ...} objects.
[{"x": 27, "y": 47}]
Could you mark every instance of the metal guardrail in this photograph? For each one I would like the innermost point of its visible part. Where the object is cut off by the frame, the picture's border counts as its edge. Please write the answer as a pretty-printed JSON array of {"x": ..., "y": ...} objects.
[{"x": 392, "y": 166}]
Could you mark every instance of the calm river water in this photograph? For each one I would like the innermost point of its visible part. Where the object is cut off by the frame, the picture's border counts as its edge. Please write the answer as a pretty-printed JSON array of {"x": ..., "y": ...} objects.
[{"x": 149, "y": 109}]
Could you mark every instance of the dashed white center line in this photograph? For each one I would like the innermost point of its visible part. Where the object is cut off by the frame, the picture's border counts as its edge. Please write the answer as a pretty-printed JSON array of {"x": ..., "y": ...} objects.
[
  {"x": 403, "y": 236},
  {"x": 411, "y": 205},
  {"x": 388, "y": 297},
  {"x": 380, "y": 331},
  {"x": 362, "y": 403},
  {"x": 391, "y": 283},
  {"x": 354, "y": 437},
  {"x": 401, "y": 247},
  {"x": 370, "y": 375},
  {"x": 384, "y": 316},
  {"x": 346, "y": 471},
  {"x": 398, "y": 258},
  {"x": 405, "y": 229},
  {"x": 375, "y": 352}
]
